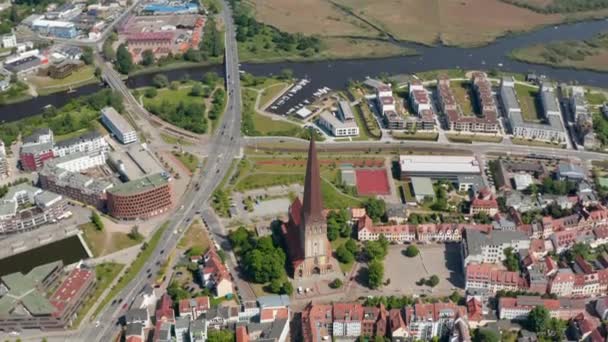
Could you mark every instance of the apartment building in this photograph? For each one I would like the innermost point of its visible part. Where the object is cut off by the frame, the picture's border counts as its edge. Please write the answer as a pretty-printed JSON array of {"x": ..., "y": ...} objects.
[
  {"x": 89, "y": 143},
  {"x": 519, "y": 308},
  {"x": 426, "y": 321},
  {"x": 481, "y": 247},
  {"x": 489, "y": 278},
  {"x": 348, "y": 319},
  {"x": 141, "y": 198},
  {"x": 74, "y": 185},
  {"x": 337, "y": 126}
]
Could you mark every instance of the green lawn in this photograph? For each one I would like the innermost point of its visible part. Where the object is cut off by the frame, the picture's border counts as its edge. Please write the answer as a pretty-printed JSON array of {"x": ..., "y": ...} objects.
[
  {"x": 529, "y": 142},
  {"x": 469, "y": 138},
  {"x": 432, "y": 75},
  {"x": 196, "y": 235},
  {"x": 268, "y": 126},
  {"x": 463, "y": 93},
  {"x": 345, "y": 267},
  {"x": 104, "y": 242},
  {"x": 188, "y": 159},
  {"x": 105, "y": 274},
  {"x": 595, "y": 98},
  {"x": 182, "y": 94},
  {"x": 415, "y": 136},
  {"x": 134, "y": 268},
  {"x": 169, "y": 139},
  {"x": 46, "y": 85},
  {"x": 366, "y": 121},
  {"x": 270, "y": 93},
  {"x": 527, "y": 97}
]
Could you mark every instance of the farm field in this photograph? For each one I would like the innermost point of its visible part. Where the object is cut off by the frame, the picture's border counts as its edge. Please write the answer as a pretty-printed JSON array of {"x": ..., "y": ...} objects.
[{"x": 453, "y": 22}]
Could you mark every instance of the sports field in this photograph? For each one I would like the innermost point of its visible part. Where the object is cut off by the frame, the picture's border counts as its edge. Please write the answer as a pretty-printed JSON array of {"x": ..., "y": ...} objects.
[{"x": 372, "y": 182}]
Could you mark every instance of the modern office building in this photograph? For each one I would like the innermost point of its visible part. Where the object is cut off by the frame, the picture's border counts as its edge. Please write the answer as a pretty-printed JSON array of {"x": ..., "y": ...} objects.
[
  {"x": 75, "y": 186},
  {"x": 337, "y": 126},
  {"x": 55, "y": 28},
  {"x": 141, "y": 198},
  {"x": 118, "y": 125}
]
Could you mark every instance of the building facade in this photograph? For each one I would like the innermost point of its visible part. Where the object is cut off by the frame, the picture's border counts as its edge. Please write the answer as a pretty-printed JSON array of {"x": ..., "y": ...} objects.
[{"x": 141, "y": 198}]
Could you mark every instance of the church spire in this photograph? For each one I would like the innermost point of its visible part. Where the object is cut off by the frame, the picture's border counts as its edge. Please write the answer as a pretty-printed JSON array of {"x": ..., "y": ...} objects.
[{"x": 313, "y": 205}]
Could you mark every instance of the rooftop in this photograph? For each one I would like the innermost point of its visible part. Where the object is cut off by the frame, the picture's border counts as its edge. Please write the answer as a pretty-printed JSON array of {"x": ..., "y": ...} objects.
[
  {"x": 141, "y": 185},
  {"x": 449, "y": 164},
  {"x": 117, "y": 120}
]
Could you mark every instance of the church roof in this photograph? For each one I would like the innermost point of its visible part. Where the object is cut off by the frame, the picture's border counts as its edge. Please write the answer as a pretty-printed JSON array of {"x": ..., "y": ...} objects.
[{"x": 313, "y": 202}]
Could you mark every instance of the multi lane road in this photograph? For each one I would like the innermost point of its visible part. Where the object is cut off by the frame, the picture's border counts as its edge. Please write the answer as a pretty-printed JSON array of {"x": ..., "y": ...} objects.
[{"x": 223, "y": 148}]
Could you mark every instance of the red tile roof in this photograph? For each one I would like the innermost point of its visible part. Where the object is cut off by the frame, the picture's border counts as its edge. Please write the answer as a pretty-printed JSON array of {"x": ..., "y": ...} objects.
[
  {"x": 241, "y": 334},
  {"x": 215, "y": 267}
]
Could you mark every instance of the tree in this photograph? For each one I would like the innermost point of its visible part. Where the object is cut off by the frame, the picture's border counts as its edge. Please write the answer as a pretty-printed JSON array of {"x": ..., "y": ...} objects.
[
  {"x": 276, "y": 285},
  {"x": 336, "y": 283},
  {"x": 240, "y": 238},
  {"x": 265, "y": 261},
  {"x": 87, "y": 55},
  {"x": 486, "y": 335},
  {"x": 195, "y": 251},
  {"x": 286, "y": 74},
  {"x": 432, "y": 281},
  {"x": 160, "y": 81},
  {"x": 287, "y": 288},
  {"x": 97, "y": 72},
  {"x": 375, "y": 274},
  {"x": 455, "y": 297},
  {"x": 124, "y": 60},
  {"x": 196, "y": 90},
  {"x": 538, "y": 319},
  {"x": 174, "y": 85},
  {"x": 220, "y": 336},
  {"x": 375, "y": 208},
  {"x": 150, "y": 92},
  {"x": 96, "y": 220},
  {"x": 210, "y": 79},
  {"x": 579, "y": 249},
  {"x": 351, "y": 245},
  {"x": 147, "y": 57},
  {"x": 482, "y": 218},
  {"x": 412, "y": 251},
  {"x": 176, "y": 292},
  {"x": 134, "y": 234},
  {"x": 344, "y": 255},
  {"x": 511, "y": 259},
  {"x": 373, "y": 250}
]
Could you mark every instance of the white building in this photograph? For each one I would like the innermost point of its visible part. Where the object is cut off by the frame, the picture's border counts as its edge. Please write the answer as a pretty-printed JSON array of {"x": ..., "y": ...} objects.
[
  {"x": 479, "y": 247},
  {"x": 89, "y": 143},
  {"x": 78, "y": 161},
  {"x": 118, "y": 125},
  {"x": 9, "y": 41},
  {"x": 337, "y": 127}
]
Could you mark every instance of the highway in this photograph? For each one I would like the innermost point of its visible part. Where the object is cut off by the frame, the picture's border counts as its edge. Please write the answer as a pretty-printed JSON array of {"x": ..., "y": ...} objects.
[{"x": 224, "y": 147}]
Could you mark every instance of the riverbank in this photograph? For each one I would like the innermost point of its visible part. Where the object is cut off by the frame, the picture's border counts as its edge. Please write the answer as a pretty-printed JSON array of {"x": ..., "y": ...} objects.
[{"x": 589, "y": 54}]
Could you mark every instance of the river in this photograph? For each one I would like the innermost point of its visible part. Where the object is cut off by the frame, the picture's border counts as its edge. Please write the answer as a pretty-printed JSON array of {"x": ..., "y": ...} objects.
[
  {"x": 335, "y": 74},
  {"x": 68, "y": 250}
]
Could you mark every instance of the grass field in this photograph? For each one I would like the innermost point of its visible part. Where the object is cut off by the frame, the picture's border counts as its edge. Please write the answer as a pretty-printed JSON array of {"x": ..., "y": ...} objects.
[
  {"x": 270, "y": 93},
  {"x": 529, "y": 142},
  {"x": 46, "y": 85},
  {"x": 189, "y": 160},
  {"x": 527, "y": 97},
  {"x": 258, "y": 124},
  {"x": 463, "y": 93},
  {"x": 170, "y": 139},
  {"x": 104, "y": 242},
  {"x": 595, "y": 98},
  {"x": 470, "y": 138},
  {"x": 432, "y": 136},
  {"x": 195, "y": 236},
  {"x": 464, "y": 22},
  {"x": 591, "y": 54},
  {"x": 134, "y": 267},
  {"x": 105, "y": 274}
]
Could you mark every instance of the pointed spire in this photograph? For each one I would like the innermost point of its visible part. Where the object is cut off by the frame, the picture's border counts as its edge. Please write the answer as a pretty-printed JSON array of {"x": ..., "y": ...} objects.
[{"x": 313, "y": 205}]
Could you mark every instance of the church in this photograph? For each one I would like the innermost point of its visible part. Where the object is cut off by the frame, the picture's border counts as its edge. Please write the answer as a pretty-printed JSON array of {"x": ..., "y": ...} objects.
[{"x": 305, "y": 233}]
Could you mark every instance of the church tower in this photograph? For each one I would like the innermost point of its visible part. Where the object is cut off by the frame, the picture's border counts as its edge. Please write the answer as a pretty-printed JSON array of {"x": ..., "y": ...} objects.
[{"x": 313, "y": 225}]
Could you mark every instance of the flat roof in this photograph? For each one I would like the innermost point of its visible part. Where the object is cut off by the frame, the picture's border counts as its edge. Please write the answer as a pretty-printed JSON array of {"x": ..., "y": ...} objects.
[
  {"x": 334, "y": 121},
  {"x": 347, "y": 112},
  {"x": 117, "y": 120},
  {"x": 431, "y": 164},
  {"x": 423, "y": 186},
  {"x": 140, "y": 185}
]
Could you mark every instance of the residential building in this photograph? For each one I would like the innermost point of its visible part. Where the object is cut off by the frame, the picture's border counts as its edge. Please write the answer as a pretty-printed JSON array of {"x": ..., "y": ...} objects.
[
  {"x": 36, "y": 149},
  {"x": 367, "y": 231},
  {"x": 25, "y": 305},
  {"x": 426, "y": 321},
  {"x": 480, "y": 247},
  {"x": 578, "y": 107},
  {"x": 489, "y": 279},
  {"x": 9, "y": 40},
  {"x": 25, "y": 208},
  {"x": 347, "y": 319},
  {"x": 481, "y": 205},
  {"x": 601, "y": 307},
  {"x": 193, "y": 308},
  {"x": 141, "y": 198},
  {"x": 118, "y": 125},
  {"x": 519, "y": 308},
  {"x": 78, "y": 161},
  {"x": 198, "y": 330},
  {"x": 134, "y": 332},
  {"x": 338, "y": 127},
  {"x": 420, "y": 102},
  {"x": 522, "y": 181},
  {"x": 570, "y": 171},
  {"x": 182, "y": 329},
  {"x": 552, "y": 130},
  {"x": 215, "y": 275},
  {"x": 90, "y": 143},
  {"x": 74, "y": 185},
  {"x": 164, "y": 310},
  {"x": 317, "y": 322},
  {"x": 485, "y": 122},
  {"x": 4, "y": 168}
]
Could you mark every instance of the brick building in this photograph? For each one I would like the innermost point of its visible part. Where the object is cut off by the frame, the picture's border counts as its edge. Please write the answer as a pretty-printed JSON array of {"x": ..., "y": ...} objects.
[{"x": 141, "y": 198}]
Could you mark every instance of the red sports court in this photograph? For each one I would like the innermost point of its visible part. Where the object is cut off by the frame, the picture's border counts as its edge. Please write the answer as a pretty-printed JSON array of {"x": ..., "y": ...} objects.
[{"x": 372, "y": 182}]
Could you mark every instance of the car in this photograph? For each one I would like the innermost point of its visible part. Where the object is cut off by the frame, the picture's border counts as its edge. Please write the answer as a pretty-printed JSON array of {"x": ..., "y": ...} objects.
[
  {"x": 149, "y": 270},
  {"x": 119, "y": 300},
  {"x": 158, "y": 263},
  {"x": 13, "y": 333},
  {"x": 149, "y": 275},
  {"x": 125, "y": 306},
  {"x": 162, "y": 251}
]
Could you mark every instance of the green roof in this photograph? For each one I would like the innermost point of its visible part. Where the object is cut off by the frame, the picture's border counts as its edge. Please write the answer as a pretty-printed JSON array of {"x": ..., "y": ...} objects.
[
  {"x": 140, "y": 185},
  {"x": 18, "y": 284},
  {"x": 6, "y": 305},
  {"x": 37, "y": 304},
  {"x": 422, "y": 186},
  {"x": 603, "y": 182},
  {"x": 38, "y": 273}
]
